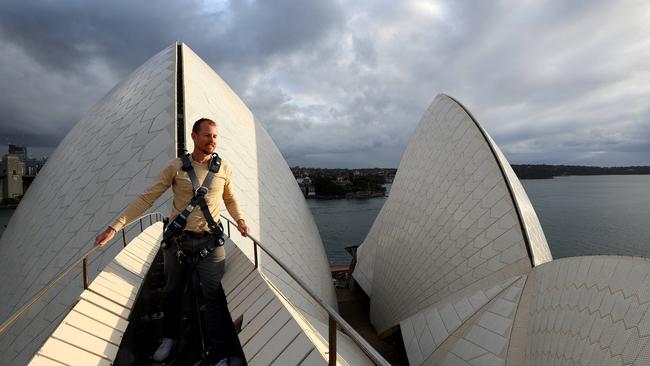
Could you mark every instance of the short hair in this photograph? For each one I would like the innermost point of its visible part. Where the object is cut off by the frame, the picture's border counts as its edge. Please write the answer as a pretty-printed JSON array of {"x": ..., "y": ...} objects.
[{"x": 197, "y": 125}]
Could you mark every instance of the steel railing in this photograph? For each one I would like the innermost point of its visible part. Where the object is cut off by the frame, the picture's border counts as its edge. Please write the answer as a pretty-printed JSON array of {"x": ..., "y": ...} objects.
[
  {"x": 84, "y": 261},
  {"x": 335, "y": 319}
]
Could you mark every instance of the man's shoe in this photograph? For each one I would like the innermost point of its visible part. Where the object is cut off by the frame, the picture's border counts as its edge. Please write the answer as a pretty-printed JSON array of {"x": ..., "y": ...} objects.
[
  {"x": 164, "y": 349},
  {"x": 222, "y": 362}
]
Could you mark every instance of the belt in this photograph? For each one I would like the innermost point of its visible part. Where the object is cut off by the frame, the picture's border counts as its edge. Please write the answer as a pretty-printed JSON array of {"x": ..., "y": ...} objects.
[{"x": 196, "y": 235}]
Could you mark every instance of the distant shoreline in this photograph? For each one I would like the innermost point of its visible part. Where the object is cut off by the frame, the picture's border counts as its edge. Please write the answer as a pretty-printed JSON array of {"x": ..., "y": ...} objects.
[{"x": 544, "y": 171}]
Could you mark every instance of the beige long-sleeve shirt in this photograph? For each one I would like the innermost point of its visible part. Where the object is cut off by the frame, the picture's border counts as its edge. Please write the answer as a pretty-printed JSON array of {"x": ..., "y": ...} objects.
[{"x": 173, "y": 176}]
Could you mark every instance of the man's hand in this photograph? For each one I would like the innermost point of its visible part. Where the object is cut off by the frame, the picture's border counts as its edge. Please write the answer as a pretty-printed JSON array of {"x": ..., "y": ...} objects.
[
  {"x": 241, "y": 226},
  {"x": 104, "y": 237}
]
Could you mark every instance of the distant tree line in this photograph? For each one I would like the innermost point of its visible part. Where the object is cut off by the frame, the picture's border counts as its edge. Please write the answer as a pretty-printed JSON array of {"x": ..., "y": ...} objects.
[
  {"x": 543, "y": 171},
  {"x": 347, "y": 183}
]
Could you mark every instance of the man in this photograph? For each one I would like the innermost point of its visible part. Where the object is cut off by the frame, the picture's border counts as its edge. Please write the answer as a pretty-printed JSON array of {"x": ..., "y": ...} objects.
[{"x": 196, "y": 235}]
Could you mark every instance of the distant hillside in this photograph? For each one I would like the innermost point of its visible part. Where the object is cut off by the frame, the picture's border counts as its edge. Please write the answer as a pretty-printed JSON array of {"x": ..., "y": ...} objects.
[{"x": 549, "y": 171}]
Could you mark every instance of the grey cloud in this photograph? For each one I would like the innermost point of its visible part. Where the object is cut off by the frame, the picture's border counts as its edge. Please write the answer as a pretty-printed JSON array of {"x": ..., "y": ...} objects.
[
  {"x": 281, "y": 26},
  {"x": 340, "y": 84},
  {"x": 71, "y": 53},
  {"x": 64, "y": 36},
  {"x": 365, "y": 51}
]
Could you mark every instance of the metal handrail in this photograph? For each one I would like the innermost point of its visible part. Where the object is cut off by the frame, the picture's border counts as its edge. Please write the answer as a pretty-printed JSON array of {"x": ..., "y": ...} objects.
[
  {"x": 335, "y": 320},
  {"x": 83, "y": 259},
  {"x": 334, "y": 317}
]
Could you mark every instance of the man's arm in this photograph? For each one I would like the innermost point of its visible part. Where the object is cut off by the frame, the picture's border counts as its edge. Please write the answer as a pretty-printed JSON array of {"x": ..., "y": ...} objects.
[
  {"x": 142, "y": 203},
  {"x": 232, "y": 206}
]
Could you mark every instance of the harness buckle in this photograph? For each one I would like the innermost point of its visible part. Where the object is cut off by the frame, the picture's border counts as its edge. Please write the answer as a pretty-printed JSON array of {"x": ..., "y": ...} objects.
[
  {"x": 206, "y": 251},
  {"x": 201, "y": 191}
]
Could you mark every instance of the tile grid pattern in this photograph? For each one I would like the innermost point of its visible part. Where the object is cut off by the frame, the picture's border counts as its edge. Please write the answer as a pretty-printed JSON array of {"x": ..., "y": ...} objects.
[
  {"x": 269, "y": 197},
  {"x": 590, "y": 310},
  {"x": 274, "y": 332},
  {"x": 424, "y": 332},
  {"x": 108, "y": 158},
  {"x": 449, "y": 221},
  {"x": 92, "y": 331},
  {"x": 538, "y": 245},
  {"x": 485, "y": 341},
  {"x": 90, "y": 334}
]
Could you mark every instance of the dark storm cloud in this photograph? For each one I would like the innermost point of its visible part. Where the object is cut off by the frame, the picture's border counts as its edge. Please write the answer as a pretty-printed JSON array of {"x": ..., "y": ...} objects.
[
  {"x": 64, "y": 36},
  {"x": 61, "y": 57},
  {"x": 345, "y": 83}
]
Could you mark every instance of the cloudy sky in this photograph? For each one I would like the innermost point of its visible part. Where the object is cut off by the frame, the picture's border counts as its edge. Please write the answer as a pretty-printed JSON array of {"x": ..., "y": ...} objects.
[{"x": 344, "y": 83}]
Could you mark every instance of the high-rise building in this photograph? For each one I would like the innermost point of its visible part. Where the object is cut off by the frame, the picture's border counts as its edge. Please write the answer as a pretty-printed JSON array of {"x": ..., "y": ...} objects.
[
  {"x": 12, "y": 185},
  {"x": 19, "y": 150}
]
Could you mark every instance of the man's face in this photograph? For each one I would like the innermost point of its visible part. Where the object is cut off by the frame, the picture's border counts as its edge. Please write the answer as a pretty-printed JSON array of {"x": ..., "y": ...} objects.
[{"x": 205, "y": 140}]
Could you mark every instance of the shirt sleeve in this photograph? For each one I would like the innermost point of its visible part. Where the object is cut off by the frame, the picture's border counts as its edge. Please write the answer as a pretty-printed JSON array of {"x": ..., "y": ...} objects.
[
  {"x": 146, "y": 199},
  {"x": 229, "y": 197}
]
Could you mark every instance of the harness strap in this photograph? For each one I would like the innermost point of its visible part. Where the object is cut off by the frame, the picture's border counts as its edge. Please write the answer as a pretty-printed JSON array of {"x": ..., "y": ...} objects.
[{"x": 200, "y": 190}]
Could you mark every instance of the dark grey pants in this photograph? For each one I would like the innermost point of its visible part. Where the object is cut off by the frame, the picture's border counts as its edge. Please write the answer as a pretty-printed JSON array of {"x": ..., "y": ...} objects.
[{"x": 210, "y": 270}]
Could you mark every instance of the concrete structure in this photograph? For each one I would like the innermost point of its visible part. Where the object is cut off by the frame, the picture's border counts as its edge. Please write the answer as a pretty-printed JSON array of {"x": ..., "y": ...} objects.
[
  {"x": 12, "y": 184},
  {"x": 457, "y": 261},
  {"x": 112, "y": 155}
]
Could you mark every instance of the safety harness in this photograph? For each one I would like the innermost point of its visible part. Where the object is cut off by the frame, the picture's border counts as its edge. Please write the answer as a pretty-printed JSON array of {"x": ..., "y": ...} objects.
[{"x": 175, "y": 229}]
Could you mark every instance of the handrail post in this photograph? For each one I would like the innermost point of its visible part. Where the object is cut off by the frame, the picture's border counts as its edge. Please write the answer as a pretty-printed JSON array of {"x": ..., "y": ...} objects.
[
  {"x": 335, "y": 320},
  {"x": 83, "y": 260},
  {"x": 332, "y": 337},
  {"x": 85, "y": 267},
  {"x": 150, "y": 220},
  {"x": 228, "y": 221}
]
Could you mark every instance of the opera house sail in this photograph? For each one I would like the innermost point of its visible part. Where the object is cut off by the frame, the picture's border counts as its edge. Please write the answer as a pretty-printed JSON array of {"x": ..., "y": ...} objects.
[
  {"x": 108, "y": 158},
  {"x": 456, "y": 265}
]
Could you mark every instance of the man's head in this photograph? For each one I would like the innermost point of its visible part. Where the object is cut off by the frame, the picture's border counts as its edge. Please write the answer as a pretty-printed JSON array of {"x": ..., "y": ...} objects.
[{"x": 204, "y": 135}]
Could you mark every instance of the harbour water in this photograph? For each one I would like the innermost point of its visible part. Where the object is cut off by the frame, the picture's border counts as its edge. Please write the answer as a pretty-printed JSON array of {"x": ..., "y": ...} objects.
[
  {"x": 594, "y": 215},
  {"x": 588, "y": 215},
  {"x": 580, "y": 215}
]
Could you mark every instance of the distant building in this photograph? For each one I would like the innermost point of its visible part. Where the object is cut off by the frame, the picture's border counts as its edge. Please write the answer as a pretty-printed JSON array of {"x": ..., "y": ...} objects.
[
  {"x": 19, "y": 150},
  {"x": 343, "y": 181},
  {"x": 302, "y": 186},
  {"x": 12, "y": 170},
  {"x": 26, "y": 168},
  {"x": 32, "y": 166}
]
